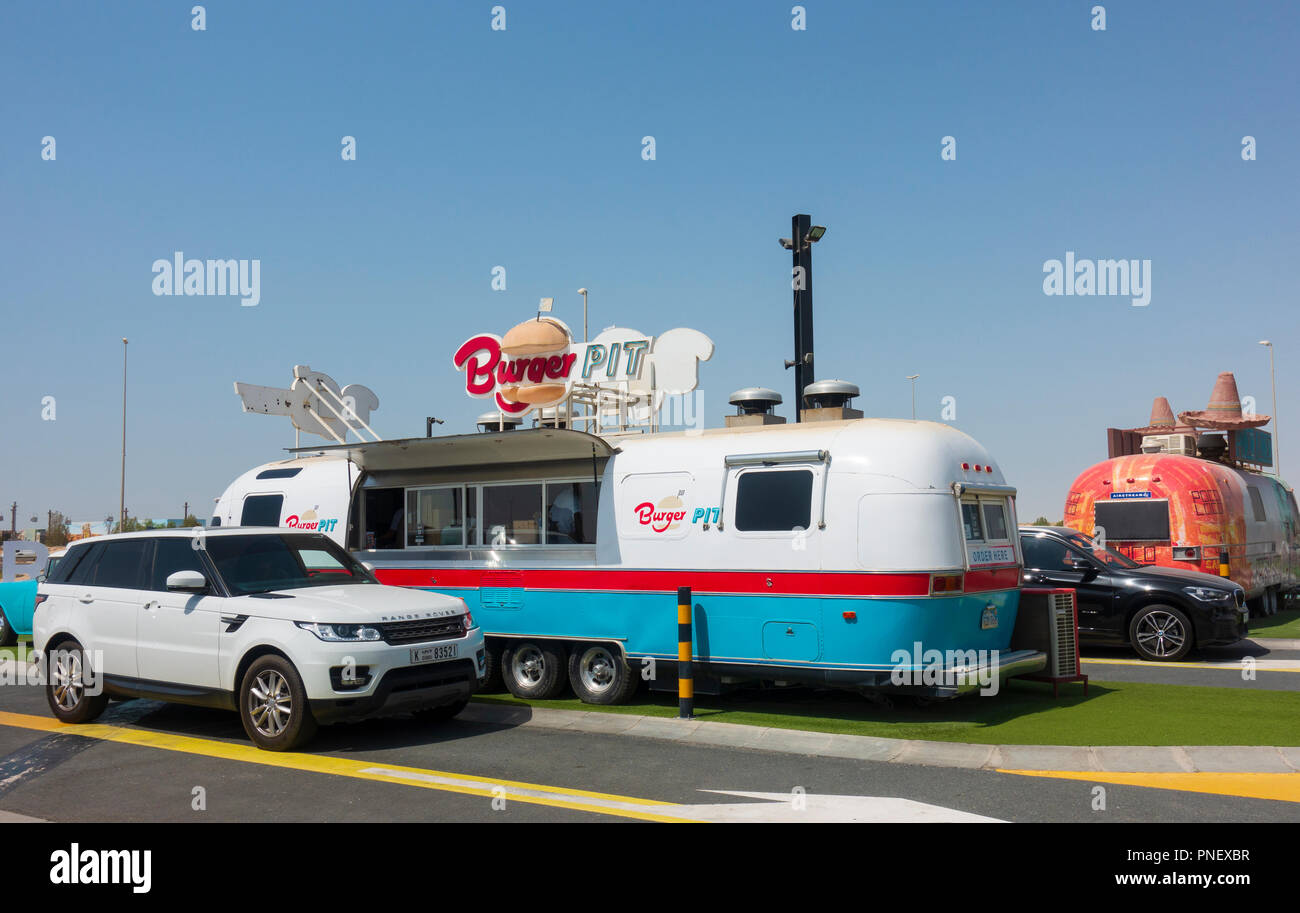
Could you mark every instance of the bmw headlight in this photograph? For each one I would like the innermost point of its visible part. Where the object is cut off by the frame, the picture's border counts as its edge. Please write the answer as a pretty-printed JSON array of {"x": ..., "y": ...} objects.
[
  {"x": 1208, "y": 594},
  {"x": 341, "y": 633}
]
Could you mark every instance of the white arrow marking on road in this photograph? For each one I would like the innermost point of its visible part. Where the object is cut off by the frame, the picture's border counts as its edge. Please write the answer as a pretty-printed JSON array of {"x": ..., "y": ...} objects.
[
  {"x": 813, "y": 808},
  {"x": 777, "y": 807}
]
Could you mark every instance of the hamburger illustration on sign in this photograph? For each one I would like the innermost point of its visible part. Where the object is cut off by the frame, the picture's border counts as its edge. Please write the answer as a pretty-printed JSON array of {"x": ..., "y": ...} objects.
[{"x": 530, "y": 366}]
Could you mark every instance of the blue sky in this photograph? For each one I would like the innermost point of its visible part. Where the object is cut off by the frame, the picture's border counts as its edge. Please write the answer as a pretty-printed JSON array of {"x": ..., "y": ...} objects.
[{"x": 522, "y": 148}]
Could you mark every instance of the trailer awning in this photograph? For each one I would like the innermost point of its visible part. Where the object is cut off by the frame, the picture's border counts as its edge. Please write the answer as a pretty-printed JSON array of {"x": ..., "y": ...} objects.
[{"x": 535, "y": 445}]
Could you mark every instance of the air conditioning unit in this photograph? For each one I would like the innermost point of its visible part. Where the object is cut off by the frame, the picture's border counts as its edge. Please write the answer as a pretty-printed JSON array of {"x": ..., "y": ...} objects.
[
  {"x": 1180, "y": 444},
  {"x": 1048, "y": 621}
]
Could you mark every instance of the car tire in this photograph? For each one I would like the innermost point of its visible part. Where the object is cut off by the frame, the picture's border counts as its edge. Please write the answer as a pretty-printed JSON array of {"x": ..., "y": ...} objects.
[
  {"x": 441, "y": 714},
  {"x": 598, "y": 674},
  {"x": 534, "y": 670},
  {"x": 273, "y": 705},
  {"x": 67, "y": 697},
  {"x": 8, "y": 636},
  {"x": 492, "y": 682},
  {"x": 1161, "y": 633}
]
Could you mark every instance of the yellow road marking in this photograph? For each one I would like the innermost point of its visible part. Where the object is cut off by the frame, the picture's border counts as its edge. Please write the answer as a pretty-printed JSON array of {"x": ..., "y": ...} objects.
[
  {"x": 511, "y": 790},
  {"x": 1279, "y": 787},
  {"x": 1260, "y": 665}
]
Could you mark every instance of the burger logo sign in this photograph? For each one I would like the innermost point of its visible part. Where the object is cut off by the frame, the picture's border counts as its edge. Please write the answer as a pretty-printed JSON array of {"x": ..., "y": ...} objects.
[
  {"x": 668, "y": 514},
  {"x": 530, "y": 366},
  {"x": 537, "y": 363}
]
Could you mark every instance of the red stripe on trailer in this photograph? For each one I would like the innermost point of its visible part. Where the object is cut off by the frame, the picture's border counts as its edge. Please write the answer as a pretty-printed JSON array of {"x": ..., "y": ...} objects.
[{"x": 796, "y": 583}]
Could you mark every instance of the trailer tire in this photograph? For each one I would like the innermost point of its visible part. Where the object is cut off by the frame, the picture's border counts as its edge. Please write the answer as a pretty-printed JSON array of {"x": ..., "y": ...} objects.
[
  {"x": 8, "y": 636},
  {"x": 493, "y": 683},
  {"x": 599, "y": 674},
  {"x": 533, "y": 670},
  {"x": 1161, "y": 633}
]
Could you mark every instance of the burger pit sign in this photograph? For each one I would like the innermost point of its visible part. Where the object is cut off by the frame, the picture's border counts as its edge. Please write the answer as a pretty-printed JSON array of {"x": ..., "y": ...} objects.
[{"x": 537, "y": 362}]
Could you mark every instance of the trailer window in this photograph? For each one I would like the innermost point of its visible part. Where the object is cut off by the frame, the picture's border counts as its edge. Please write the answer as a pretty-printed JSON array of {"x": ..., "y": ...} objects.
[
  {"x": 512, "y": 514},
  {"x": 774, "y": 500},
  {"x": 571, "y": 513},
  {"x": 971, "y": 523},
  {"x": 1257, "y": 504},
  {"x": 995, "y": 522},
  {"x": 435, "y": 516},
  {"x": 262, "y": 510},
  {"x": 385, "y": 518}
]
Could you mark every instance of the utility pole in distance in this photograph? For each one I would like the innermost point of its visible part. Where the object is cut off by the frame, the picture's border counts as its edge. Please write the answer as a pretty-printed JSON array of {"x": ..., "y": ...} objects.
[{"x": 803, "y": 235}]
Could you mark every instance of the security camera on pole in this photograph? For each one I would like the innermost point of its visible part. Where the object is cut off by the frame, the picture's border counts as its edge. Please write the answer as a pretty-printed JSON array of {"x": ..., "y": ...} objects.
[{"x": 804, "y": 235}]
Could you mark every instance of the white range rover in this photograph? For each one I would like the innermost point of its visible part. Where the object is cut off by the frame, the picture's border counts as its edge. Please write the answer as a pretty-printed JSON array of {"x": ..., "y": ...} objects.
[{"x": 285, "y": 627}]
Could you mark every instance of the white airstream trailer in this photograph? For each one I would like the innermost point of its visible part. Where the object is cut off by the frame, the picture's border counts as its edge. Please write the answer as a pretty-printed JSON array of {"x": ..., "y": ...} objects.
[{"x": 818, "y": 552}]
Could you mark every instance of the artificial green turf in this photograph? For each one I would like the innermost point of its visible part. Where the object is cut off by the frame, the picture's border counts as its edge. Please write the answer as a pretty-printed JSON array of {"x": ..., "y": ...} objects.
[
  {"x": 1023, "y": 713},
  {"x": 1283, "y": 624},
  {"x": 20, "y": 651}
]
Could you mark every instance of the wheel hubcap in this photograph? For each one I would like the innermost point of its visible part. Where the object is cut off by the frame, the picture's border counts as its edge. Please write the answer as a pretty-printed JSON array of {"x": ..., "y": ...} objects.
[
  {"x": 529, "y": 666},
  {"x": 1161, "y": 634},
  {"x": 65, "y": 677},
  {"x": 270, "y": 704},
  {"x": 597, "y": 669}
]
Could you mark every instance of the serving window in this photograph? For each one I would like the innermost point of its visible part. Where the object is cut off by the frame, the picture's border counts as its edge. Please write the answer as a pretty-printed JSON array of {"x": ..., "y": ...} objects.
[
  {"x": 512, "y": 514},
  {"x": 987, "y": 526},
  {"x": 439, "y": 516}
]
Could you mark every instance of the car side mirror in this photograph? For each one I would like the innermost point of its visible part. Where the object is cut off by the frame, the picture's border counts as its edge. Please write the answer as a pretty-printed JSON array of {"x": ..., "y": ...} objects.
[
  {"x": 1080, "y": 564},
  {"x": 187, "y": 582}
]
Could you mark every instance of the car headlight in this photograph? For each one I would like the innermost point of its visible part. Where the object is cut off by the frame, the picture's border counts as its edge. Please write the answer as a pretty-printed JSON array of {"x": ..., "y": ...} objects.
[
  {"x": 1208, "y": 594},
  {"x": 470, "y": 624},
  {"x": 341, "y": 633}
]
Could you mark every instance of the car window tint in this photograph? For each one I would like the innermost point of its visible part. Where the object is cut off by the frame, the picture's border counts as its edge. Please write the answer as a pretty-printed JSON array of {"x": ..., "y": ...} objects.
[
  {"x": 122, "y": 564},
  {"x": 60, "y": 569},
  {"x": 174, "y": 555},
  {"x": 83, "y": 571},
  {"x": 1044, "y": 553}
]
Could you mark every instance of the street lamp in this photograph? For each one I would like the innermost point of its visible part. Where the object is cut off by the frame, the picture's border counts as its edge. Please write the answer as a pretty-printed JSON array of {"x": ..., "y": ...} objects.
[
  {"x": 1277, "y": 437},
  {"x": 583, "y": 293},
  {"x": 121, "y": 501},
  {"x": 912, "y": 378}
]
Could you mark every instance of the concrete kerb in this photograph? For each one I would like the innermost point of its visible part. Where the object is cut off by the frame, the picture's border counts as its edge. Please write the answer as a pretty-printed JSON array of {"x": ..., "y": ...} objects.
[{"x": 1107, "y": 758}]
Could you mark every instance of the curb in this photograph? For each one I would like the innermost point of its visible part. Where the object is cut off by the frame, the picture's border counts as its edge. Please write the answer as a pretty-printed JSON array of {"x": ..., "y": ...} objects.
[
  {"x": 1101, "y": 759},
  {"x": 1277, "y": 643}
]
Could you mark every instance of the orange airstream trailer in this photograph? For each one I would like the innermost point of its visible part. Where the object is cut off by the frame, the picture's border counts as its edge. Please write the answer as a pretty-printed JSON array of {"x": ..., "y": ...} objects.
[{"x": 1191, "y": 500}]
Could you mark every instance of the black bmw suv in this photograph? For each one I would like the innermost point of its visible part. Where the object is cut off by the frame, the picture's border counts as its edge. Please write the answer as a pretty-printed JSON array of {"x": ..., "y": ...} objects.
[{"x": 1161, "y": 612}]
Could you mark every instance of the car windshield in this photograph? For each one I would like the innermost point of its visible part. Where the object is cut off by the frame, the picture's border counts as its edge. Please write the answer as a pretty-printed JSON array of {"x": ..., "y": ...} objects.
[
  {"x": 260, "y": 564},
  {"x": 1100, "y": 553}
]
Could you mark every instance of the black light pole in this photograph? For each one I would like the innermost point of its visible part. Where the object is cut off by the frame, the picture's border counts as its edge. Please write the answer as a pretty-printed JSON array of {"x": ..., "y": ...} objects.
[{"x": 803, "y": 235}]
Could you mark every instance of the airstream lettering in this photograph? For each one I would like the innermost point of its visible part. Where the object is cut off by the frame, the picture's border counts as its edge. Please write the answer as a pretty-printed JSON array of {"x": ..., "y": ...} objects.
[{"x": 813, "y": 551}]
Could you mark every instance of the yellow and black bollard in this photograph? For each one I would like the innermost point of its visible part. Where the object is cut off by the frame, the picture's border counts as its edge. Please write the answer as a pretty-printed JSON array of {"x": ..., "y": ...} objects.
[
  {"x": 1223, "y": 561},
  {"x": 685, "y": 682}
]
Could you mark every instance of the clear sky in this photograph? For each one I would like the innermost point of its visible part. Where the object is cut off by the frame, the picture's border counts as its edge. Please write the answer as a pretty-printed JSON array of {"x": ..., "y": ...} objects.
[{"x": 522, "y": 148}]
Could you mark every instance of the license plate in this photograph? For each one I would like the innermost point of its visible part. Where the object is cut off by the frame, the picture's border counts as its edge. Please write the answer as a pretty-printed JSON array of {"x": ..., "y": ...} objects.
[
  {"x": 429, "y": 654},
  {"x": 989, "y": 618}
]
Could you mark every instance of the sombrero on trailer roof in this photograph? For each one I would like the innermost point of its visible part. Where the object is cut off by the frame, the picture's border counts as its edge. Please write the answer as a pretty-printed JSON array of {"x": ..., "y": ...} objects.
[
  {"x": 1162, "y": 420},
  {"x": 1224, "y": 411}
]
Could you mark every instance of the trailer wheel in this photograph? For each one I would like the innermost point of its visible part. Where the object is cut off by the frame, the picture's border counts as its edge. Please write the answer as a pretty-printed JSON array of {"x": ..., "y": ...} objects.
[
  {"x": 598, "y": 674},
  {"x": 8, "y": 636},
  {"x": 533, "y": 670},
  {"x": 493, "y": 683},
  {"x": 1160, "y": 633}
]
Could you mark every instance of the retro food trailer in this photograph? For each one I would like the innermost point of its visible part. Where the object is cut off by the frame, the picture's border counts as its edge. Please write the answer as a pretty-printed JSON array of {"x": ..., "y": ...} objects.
[
  {"x": 814, "y": 551},
  {"x": 1190, "y": 494}
]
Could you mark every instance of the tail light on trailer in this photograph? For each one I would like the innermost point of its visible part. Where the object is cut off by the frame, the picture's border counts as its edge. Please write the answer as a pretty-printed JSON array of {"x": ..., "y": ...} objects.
[{"x": 945, "y": 584}]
